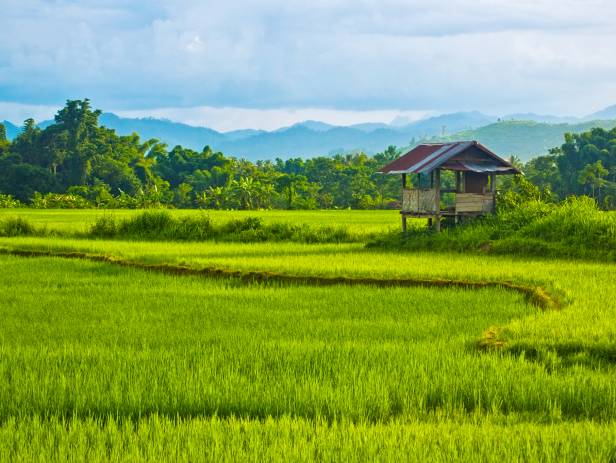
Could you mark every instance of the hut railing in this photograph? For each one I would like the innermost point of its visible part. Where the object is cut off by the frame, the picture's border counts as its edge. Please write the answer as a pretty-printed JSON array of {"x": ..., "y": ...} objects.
[
  {"x": 481, "y": 203},
  {"x": 419, "y": 200},
  {"x": 423, "y": 201}
]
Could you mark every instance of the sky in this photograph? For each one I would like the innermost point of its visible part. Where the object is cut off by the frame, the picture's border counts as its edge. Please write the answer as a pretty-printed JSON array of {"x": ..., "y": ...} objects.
[{"x": 269, "y": 63}]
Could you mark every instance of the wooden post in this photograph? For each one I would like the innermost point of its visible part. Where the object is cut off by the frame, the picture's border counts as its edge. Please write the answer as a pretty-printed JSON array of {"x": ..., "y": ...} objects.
[
  {"x": 436, "y": 176},
  {"x": 458, "y": 190},
  {"x": 403, "y": 214},
  {"x": 493, "y": 190}
]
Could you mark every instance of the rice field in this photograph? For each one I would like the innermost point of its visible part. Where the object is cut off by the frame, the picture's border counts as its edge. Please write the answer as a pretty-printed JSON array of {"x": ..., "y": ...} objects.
[
  {"x": 101, "y": 362},
  {"x": 71, "y": 221}
]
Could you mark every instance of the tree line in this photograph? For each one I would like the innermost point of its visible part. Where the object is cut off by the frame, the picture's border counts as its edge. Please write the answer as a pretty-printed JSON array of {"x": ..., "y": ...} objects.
[
  {"x": 584, "y": 165},
  {"x": 75, "y": 162}
]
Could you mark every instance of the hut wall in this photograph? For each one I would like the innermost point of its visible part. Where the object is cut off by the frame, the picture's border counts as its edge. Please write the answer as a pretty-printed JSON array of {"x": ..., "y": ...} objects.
[
  {"x": 419, "y": 200},
  {"x": 475, "y": 182},
  {"x": 474, "y": 203}
]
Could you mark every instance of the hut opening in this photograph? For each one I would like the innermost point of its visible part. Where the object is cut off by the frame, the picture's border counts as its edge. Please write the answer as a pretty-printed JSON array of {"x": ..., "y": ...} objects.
[{"x": 475, "y": 168}]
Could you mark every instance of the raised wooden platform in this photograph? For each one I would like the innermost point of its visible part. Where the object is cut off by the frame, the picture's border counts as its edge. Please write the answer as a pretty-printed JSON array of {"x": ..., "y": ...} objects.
[
  {"x": 442, "y": 213},
  {"x": 424, "y": 203}
]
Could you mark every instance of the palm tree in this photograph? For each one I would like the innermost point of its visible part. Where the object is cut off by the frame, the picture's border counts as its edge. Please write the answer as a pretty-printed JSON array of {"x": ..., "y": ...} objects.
[
  {"x": 216, "y": 196},
  {"x": 246, "y": 189}
]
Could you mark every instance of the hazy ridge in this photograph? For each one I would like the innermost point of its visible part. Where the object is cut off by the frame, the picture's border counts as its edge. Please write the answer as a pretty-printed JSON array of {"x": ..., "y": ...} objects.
[{"x": 525, "y": 135}]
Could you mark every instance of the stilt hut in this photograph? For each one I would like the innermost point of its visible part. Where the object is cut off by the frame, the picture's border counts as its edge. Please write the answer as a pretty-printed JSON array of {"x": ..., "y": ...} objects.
[{"x": 475, "y": 168}]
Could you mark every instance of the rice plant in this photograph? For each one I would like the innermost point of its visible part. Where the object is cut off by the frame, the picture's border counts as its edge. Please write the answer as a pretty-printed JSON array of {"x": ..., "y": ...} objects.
[{"x": 104, "y": 362}]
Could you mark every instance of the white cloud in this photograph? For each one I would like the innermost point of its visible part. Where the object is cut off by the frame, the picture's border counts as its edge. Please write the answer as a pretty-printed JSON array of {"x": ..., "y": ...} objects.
[
  {"x": 494, "y": 55},
  {"x": 17, "y": 113}
]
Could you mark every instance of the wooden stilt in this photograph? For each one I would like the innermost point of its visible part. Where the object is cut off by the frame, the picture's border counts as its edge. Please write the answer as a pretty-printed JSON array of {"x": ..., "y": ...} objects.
[
  {"x": 493, "y": 191},
  {"x": 436, "y": 176},
  {"x": 404, "y": 186}
]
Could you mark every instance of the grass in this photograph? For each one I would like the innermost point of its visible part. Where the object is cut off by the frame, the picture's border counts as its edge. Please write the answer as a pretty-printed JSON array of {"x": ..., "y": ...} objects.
[
  {"x": 586, "y": 321},
  {"x": 167, "y": 225},
  {"x": 157, "y": 438},
  {"x": 139, "y": 364},
  {"x": 163, "y": 226},
  {"x": 574, "y": 229},
  {"x": 534, "y": 294},
  {"x": 250, "y": 351},
  {"x": 18, "y": 226},
  {"x": 105, "y": 362},
  {"x": 79, "y": 221}
]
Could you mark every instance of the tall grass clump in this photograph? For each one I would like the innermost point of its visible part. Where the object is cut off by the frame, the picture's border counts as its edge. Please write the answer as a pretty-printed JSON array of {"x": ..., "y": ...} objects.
[
  {"x": 162, "y": 226},
  {"x": 17, "y": 226},
  {"x": 577, "y": 222},
  {"x": 574, "y": 228},
  {"x": 153, "y": 225}
]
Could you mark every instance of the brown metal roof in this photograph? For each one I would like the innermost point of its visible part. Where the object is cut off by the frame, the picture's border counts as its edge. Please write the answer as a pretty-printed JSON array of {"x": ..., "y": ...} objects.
[{"x": 427, "y": 157}]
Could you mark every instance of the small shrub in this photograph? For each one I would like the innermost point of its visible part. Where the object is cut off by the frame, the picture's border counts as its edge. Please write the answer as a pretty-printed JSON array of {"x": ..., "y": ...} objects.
[
  {"x": 148, "y": 225},
  {"x": 242, "y": 225},
  {"x": 104, "y": 227},
  {"x": 16, "y": 226},
  {"x": 193, "y": 229}
]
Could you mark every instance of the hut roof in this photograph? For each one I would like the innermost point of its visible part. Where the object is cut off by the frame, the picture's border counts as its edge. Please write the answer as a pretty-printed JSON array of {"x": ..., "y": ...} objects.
[{"x": 462, "y": 156}]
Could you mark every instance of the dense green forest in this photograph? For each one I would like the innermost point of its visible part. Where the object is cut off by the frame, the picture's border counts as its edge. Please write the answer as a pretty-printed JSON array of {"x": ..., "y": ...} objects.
[{"x": 75, "y": 162}]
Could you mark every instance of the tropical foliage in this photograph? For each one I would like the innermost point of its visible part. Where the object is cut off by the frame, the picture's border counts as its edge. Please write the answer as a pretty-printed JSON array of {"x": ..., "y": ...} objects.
[
  {"x": 584, "y": 165},
  {"x": 76, "y": 163}
]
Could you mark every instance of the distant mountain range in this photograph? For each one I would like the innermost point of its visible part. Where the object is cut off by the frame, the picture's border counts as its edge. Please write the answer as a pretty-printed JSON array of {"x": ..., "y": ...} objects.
[
  {"x": 526, "y": 139},
  {"x": 11, "y": 129},
  {"x": 524, "y": 135},
  {"x": 607, "y": 113}
]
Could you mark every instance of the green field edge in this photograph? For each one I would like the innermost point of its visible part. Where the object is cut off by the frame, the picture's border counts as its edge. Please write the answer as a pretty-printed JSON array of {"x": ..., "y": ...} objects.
[
  {"x": 158, "y": 438},
  {"x": 491, "y": 339}
]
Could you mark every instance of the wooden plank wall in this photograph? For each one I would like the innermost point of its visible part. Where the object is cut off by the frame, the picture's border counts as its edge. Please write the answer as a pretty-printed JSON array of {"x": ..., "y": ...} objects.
[
  {"x": 474, "y": 202},
  {"x": 419, "y": 200}
]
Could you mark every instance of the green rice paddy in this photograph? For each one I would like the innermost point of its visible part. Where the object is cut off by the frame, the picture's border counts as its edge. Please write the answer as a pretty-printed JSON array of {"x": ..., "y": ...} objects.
[
  {"x": 66, "y": 220},
  {"x": 102, "y": 362}
]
